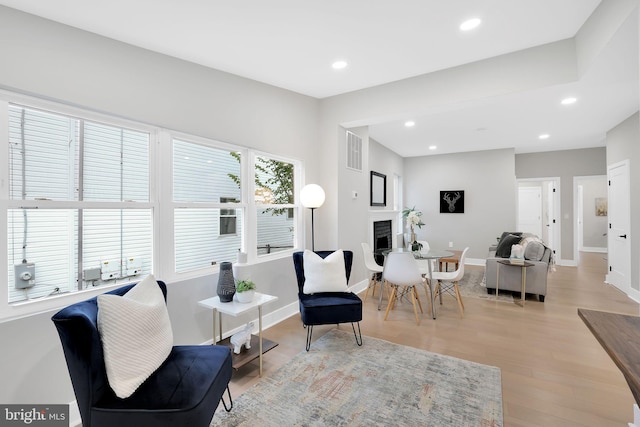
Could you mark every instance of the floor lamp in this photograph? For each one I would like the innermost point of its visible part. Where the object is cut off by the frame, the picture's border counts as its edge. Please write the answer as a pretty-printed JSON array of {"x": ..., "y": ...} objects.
[{"x": 312, "y": 197}]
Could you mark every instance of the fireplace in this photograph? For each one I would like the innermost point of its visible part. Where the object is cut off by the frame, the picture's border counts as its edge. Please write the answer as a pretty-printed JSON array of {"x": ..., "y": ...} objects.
[{"x": 382, "y": 236}]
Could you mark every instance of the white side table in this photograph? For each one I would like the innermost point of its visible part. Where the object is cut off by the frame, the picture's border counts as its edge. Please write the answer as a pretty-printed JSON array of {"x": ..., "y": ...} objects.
[{"x": 235, "y": 309}]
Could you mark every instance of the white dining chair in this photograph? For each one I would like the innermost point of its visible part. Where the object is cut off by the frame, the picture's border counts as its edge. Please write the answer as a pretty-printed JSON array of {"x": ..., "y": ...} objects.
[
  {"x": 447, "y": 282},
  {"x": 423, "y": 264},
  {"x": 374, "y": 269},
  {"x": 402, "y": 275}
]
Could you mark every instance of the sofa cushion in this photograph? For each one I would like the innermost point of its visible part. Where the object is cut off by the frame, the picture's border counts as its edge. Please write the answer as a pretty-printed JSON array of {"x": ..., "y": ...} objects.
[
  {"x": 534, "y": 251},
  {"x": 506, "y": 233},
  {"x": 504, "y": 246}
]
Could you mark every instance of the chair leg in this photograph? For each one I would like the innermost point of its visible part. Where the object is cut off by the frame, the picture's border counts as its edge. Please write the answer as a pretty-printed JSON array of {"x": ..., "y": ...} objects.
[
  {"x": 230, "y": 401},
  {"x": 415, "y": 291},
  {"x": 358, "y": 335},
  {"x": 413, "y": 301},
  {"x": 309, "y": 333},
  {"x": 459, "y": 298},
  {"x": 366, "y": 293},
  {"x": 427, "y": 292},
  {"x": 391, "y": 301}
]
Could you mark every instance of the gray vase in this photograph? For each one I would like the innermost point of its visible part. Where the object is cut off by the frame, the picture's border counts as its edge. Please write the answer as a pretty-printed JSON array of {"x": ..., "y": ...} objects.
[{"x": 226, "y": 283}]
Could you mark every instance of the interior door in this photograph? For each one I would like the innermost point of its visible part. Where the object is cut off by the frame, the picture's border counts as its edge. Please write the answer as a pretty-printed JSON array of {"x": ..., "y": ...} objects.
[
  {"x": 619, "y": 224},
  {"x": 530, "y": 210}
]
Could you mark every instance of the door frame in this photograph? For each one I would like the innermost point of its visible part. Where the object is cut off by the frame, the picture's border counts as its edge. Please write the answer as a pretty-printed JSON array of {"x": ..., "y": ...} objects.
[
  {"x": 625, "y": 287},
  {"x": 556, "y": 245}
]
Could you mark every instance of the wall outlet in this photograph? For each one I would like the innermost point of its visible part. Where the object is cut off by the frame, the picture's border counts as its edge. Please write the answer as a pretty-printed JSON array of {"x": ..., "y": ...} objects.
[{"x": 450, "y": 244}]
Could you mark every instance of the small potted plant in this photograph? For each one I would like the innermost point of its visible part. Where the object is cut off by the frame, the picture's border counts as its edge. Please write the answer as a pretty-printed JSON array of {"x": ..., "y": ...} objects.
[{"x": 245, "y": 290}]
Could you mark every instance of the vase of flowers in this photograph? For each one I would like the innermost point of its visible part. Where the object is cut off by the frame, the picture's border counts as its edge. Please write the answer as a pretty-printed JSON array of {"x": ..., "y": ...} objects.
[{"x": 414, "y": 219}]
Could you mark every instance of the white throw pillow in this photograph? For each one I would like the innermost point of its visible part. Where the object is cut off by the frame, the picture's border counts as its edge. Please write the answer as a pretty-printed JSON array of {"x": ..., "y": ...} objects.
[
  {"x": 136, "y": 335},
  {"x": 324, "y": 275}
]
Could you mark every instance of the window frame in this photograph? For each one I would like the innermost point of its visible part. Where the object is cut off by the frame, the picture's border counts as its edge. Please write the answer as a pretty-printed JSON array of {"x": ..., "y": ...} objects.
[
  {"x": 160, "y": 202},
  {"x": 19, "y": 309}
]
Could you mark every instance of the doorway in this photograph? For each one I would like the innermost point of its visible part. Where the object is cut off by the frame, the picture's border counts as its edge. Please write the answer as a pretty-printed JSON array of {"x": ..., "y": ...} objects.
[
  {"x": 618, "y": 241},
  {"x": 538, "y": 210}
]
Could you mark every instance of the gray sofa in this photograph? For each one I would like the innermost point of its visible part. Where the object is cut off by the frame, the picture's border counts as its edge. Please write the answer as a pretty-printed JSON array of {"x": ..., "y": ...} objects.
[{"x": 510, "y": 277}]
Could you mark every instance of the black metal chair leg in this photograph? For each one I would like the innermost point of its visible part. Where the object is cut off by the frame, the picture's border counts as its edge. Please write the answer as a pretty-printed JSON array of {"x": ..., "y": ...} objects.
[
  {"x": 358, "y": 335},
  {"x": 309, "y": 332},
  {"x": 230, "y": 401}
]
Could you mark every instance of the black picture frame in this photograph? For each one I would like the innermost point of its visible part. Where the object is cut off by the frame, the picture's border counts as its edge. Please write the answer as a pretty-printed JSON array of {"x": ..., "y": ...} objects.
[
  {"x": 378, "y": 187},
  {"x": 452, "y": 201}
]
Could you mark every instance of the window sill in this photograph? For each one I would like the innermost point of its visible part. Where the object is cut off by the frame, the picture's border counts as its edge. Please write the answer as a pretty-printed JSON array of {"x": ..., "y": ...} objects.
[{"x": 36, "y": 306}]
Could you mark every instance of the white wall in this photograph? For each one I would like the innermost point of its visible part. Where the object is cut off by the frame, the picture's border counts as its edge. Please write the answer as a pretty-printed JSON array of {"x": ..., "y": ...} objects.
[
  {"x": 565, "y": 164},
  {"x": 489, "y": 182},
  {"x": 75, "y": 67}
]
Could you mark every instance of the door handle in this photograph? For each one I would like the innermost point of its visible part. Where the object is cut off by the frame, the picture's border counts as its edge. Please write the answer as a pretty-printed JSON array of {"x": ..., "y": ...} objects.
[{"x": 624, "y": 236}]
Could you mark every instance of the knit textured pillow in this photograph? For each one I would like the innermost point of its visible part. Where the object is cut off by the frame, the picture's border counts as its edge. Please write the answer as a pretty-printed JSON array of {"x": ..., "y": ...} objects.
[{"x": 136, "y": 335}]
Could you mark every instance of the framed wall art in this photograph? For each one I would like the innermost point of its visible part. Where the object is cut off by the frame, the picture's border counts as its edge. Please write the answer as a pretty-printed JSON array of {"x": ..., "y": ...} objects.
[
  {"x": 378, "y": 189},
  {"x": 452, "y": 201}
]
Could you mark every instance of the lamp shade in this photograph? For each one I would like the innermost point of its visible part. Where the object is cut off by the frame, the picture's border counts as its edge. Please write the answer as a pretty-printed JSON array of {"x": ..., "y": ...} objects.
[{"x": 312, "y": 196}]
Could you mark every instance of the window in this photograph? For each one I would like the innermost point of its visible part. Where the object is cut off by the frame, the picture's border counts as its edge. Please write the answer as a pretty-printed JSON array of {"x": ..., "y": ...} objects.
[
  {"x": 79, "y": 207},
  {"x": 228, "y": 217},
  {"x": 85, "y": 206},
  {"x": 275, "y": 211},
  {"x": 207, "y": 214}
]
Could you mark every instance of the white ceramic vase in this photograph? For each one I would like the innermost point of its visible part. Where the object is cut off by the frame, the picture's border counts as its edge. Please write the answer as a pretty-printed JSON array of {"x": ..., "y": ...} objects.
[{"x": 245, "y": 297}]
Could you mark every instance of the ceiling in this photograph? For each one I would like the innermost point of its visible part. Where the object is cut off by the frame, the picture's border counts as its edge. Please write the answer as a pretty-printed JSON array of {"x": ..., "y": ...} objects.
[{"x": 292, "y": 44}]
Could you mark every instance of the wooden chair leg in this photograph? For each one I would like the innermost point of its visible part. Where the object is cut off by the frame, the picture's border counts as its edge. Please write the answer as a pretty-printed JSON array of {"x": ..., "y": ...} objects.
[
  {"x": 459, "y": 299},
  {"x": 391, "y": 301},
  {"x": 415, "y": 291},
  {"x": 369, "y": 287},
  {"x": 413, "y": 301}
]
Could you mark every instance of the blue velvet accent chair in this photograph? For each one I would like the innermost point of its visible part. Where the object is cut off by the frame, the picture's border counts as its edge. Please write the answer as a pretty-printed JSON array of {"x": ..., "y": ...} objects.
[
  {"x": 184, "y": 391},
  {"x": 326, "y": 308}
]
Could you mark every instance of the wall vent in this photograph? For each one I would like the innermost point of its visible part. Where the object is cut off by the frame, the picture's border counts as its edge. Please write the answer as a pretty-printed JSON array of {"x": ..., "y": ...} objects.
[{"x": 354, "y": 152}]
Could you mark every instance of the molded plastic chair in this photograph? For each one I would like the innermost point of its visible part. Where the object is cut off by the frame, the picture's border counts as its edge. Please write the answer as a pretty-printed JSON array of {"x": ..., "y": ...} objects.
[
  {"x": 184, "y": 391},
  {"x": 401, "y": 272},
  {"x": 326, "y": 308},
  {"x": 447, "y": 281},
  {"x": 375, "y": 270}
]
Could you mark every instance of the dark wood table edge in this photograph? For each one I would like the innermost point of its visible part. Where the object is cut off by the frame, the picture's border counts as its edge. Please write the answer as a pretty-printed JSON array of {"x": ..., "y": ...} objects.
[
  {"x": 245, "y": 356},
  {"x": 612, "y": 345}
]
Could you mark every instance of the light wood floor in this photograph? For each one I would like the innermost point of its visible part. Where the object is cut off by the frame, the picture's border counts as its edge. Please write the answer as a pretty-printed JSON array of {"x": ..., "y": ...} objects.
[{"x": 554, "y": 372}]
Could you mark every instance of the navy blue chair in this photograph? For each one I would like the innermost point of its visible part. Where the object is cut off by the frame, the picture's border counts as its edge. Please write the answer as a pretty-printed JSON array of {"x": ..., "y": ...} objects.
[
  {"x": 327, "y": 308},
  {"x": 184, "y": 391}
]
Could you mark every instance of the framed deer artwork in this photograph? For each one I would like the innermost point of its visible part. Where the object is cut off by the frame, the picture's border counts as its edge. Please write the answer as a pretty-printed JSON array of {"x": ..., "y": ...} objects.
[{"x": 452, "y": 201}]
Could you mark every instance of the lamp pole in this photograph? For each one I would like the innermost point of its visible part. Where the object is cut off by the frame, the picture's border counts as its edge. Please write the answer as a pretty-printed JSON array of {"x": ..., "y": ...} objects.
[
  {"x": 312, "y": 197},
  {"x": 313, "y": 238}
]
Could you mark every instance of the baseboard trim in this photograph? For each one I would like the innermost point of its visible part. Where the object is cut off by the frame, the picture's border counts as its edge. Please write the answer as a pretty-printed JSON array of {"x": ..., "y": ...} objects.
[{"x": 594, "y": 249}]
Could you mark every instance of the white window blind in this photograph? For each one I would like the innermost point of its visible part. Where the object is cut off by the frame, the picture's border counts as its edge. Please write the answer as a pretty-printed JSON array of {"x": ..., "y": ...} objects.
[
  {"x": 206, "y": 185},
  {"x": 54, "y": 158}
]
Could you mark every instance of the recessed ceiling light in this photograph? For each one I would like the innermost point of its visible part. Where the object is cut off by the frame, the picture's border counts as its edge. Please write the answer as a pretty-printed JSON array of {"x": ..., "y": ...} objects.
[
  {"x": 432, "y": 147},
  {"x": 339, "y": 65},
  {"x": 409, "y": 124},
  {"x": 470, "y": 24},
  {"x": 568, "y": 101},
  {"x": 544, "y": 136}
]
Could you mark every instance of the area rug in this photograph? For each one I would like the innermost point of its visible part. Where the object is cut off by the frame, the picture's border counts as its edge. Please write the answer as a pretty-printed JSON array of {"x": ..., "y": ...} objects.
[
  {"x": 472, "y": 286},
  {"x": 338, "y": 383}
]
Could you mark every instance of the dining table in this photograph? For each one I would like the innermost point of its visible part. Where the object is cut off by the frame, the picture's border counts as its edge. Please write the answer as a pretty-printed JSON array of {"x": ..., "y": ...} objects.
[{"x": 431, "y": 254}]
